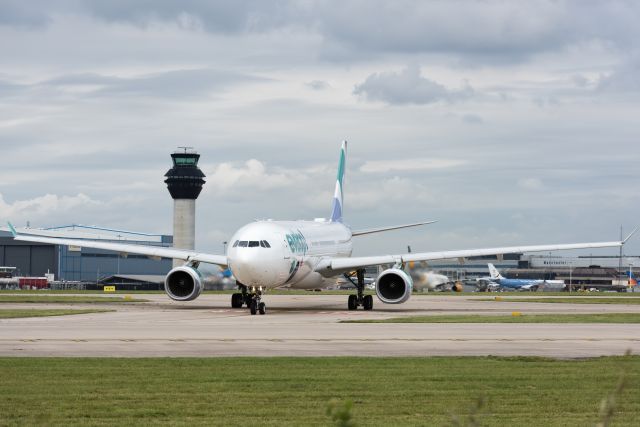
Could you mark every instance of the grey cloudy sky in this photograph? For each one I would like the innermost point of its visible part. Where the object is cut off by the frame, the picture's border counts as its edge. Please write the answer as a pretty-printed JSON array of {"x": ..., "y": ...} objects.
[{"x": 509, "y": 122}]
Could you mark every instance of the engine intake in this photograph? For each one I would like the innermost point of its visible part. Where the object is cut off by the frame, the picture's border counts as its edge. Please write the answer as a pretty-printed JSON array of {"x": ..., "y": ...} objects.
[
  {"x": 394, "y": 286},
  {"x": 183, "y": 284}
]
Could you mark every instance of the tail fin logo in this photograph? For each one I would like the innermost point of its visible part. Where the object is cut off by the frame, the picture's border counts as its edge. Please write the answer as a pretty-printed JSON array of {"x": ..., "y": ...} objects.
[
  {"x": 336, "y": 209},
  {"x": 495, "y": 274}
]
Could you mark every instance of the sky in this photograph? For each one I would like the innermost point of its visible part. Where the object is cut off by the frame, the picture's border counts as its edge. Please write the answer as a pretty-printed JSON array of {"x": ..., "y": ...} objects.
[{"x": 508, "y": 122}]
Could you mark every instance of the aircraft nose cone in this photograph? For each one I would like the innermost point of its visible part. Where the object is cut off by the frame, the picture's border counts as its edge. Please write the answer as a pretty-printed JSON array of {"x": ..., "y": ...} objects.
[{"x": 253, "y": 269}]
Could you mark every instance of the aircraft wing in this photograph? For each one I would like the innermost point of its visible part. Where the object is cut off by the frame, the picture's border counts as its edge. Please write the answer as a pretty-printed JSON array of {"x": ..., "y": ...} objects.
[
  {"x": 332, "y": 266},
  {"x": 127, "y": 248}
]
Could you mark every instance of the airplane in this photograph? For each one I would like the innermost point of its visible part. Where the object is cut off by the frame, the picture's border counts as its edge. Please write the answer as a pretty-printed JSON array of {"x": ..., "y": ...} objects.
[
  {"x": 432, "y": 281},
  {"x": 428, "y": 280},
  {"x": 497, "y": 281},
  {"x": 301, "y": 255}
]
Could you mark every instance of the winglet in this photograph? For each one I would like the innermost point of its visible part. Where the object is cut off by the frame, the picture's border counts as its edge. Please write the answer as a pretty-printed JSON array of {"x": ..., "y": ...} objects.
[
  {"x": 13, "y": 230},
  {"x": 629, "y": 236}
]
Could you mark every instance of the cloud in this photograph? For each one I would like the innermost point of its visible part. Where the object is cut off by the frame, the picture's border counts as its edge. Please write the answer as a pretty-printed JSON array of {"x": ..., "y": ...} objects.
[
  {"x": 253, "y": 175},
  {"x": 472, "y": 119},
  {"x": 43, "y": 206},
  {"x": 530, "y": 183},
  {"x": 180, "y": 83},
  {"x": 417, "y": 164},
  {"x": 624, "y": 78},
  {"x": 318, "y": 84},
  {"x": 408, "y": 87}
]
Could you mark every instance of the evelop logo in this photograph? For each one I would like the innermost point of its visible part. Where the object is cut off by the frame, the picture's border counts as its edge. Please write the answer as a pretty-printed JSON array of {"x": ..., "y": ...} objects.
[{"x": 297, "y": 243}]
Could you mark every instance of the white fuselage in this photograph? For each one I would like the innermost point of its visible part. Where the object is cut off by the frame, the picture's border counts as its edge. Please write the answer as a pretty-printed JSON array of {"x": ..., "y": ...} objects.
[{"x": 288, "y": 258}]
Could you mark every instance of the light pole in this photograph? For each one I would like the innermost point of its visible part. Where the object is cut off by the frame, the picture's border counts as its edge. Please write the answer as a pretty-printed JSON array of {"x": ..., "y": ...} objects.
[
  {"x": 224, "y": 248},
  {"x": 118, "y": 267},
  {"x": 570, "y": 277}
]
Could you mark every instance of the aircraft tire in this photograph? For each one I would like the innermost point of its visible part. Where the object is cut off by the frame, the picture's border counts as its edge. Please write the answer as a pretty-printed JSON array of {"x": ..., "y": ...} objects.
[
  {"x": 262, "y": 308},
  {"x": 236, "y": 300},
  {"x": 368, "y": 302},
  {"x": 253, "y": 308},
  {"x": 352, "y": 302}
]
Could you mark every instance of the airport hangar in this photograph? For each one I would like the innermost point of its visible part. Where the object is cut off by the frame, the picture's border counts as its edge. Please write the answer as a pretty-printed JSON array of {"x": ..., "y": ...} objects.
[{"x": 73, "y": 264}]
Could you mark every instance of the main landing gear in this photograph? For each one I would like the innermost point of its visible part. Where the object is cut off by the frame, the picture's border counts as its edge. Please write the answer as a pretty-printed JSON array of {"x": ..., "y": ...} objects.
[
  {"x": 251, "y": 298},
  {"x": 366, "y": 301}
]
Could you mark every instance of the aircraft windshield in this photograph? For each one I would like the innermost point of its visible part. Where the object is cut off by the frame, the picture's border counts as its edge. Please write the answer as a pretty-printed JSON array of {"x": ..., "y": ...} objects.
[{"x": 251, "y": 244}]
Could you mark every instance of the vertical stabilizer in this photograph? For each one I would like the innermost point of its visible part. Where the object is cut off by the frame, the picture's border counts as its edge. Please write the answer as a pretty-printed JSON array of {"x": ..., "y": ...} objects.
[
  {"x": 336, "y": 209},
  {"x": 493, "y": 271}
]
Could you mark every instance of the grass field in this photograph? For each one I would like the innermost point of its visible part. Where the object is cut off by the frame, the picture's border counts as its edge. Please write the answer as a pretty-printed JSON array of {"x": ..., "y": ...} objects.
[
  {"x": 296, "y": 391},
  {"x": 62, "y": 299},
  {"x": 12, "y": 314},
  {"x": 571, "y": 300},
  {"x": 523, "y": 318}
]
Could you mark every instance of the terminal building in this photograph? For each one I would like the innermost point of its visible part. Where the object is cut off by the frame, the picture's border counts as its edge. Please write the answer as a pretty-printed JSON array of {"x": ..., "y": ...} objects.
[{"x": 74, "y": 264}]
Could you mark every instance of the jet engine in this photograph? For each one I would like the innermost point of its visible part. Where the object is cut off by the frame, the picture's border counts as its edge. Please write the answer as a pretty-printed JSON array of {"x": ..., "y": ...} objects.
[
  {"x": 183, "y": 283},
  {"x": 394, "y": 286}
]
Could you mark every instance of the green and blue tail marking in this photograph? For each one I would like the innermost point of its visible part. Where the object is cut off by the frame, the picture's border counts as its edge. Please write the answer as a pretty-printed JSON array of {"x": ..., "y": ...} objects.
[
  {"x": 336, "y": 209},
  {"x": 13, "y": 230}
]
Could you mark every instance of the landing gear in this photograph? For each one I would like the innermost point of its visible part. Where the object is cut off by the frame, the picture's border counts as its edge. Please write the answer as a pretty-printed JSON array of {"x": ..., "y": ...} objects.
[
  {"x": 241, "y": 298},
  {"x": 255, "y": 305},
  {"x": 236, "y": 300},
  {"x": 352, "y": 302},
  {"x": 366, "y": 301}
]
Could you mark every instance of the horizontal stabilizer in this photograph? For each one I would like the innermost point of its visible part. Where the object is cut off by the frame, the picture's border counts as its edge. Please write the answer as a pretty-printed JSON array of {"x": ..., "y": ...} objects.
[{"x": 394, "y": 227}]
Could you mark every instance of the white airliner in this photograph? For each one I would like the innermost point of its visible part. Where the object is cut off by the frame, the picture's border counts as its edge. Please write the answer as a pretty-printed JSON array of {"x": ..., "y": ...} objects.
[{"x": 265, "y": 255}]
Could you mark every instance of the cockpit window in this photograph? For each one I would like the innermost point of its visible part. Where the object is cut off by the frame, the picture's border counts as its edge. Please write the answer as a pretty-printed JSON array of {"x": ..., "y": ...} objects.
[{"x": 251, "y": 244}]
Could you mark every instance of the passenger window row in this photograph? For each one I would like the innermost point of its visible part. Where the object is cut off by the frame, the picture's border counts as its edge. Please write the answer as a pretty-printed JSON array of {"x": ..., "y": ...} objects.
[{"x": 251, "y": 244}]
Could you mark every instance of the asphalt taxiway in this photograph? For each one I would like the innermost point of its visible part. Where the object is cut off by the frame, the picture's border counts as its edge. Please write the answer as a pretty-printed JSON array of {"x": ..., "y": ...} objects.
[{"x": 309, "y": 325}]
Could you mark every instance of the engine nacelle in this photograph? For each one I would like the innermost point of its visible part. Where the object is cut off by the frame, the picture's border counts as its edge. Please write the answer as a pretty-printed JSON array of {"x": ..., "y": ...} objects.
[
  {"x": 394, "y": 286},
  {"x": 183, "y": 283}
]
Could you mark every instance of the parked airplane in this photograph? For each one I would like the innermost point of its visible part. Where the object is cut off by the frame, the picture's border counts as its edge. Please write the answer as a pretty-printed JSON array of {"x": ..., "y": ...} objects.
[
  {"x": 497, "y": 281},
  {"x": 432, "y": 281},
  {"x": 298, "y": 254}
]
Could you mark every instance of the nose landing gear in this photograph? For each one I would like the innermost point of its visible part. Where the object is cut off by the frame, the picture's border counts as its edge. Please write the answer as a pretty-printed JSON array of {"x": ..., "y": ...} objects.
[
  {"x": 366, "y": 301},
  {"x": 251, "y": 298}
]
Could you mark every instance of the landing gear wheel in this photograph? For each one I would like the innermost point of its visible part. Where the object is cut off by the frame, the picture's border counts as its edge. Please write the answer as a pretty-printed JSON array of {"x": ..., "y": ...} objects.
[
  {"x": 253, "y": 308},
  {"x": 352, "y": 302},
  {"x": 262, "y": 308},
  {"x": 367, "y": 303},
  {"x": 236, "y": 300}
]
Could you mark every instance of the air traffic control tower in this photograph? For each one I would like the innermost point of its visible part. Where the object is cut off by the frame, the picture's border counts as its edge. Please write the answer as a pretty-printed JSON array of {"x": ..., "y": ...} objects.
[{"x": 184, "y": 181}]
